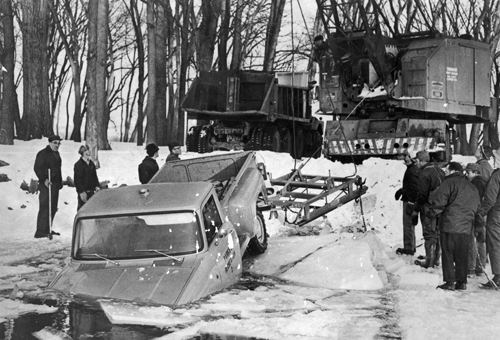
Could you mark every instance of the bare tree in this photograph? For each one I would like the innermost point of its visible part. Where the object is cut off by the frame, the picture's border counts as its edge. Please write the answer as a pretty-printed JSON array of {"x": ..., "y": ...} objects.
[
  {"x": 71, "y": 22},
  {"x": 36, "y": 121},
  {"x": 96, "y": 136},
  {"x": 273, "y": 29},
  {"x": 8, "y": 97}
]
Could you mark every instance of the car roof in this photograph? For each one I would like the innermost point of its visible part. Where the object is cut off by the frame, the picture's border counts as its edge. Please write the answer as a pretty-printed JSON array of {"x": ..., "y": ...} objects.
[{"x": 146, "y": 198}]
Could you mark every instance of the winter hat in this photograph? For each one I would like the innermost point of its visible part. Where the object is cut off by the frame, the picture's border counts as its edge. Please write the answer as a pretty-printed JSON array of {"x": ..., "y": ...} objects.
[
  {"x": 455, "y": 166},
  {"x": 54, "y": 138},
  {"x": 423, "y": 156},
  {"x": 151, "y": 149},
  {"x": 172, "y": 145},
  {"x": 82, "y": 149},
  {"x": 473, "y": 167},
  {"x": 318, "y": 38}
]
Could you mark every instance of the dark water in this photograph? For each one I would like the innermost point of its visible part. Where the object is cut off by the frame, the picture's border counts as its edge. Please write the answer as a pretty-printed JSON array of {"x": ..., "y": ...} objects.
[
  {"x": 77, "y": 320},
  {"x": 84, "y": 320}
]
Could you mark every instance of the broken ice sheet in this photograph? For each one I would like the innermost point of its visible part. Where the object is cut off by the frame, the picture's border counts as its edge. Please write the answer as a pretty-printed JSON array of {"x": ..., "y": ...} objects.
[
  {"x": 133, "y": 314},
  {"x": 13, "y": 308},
  {"x": 260, "y": 300}
]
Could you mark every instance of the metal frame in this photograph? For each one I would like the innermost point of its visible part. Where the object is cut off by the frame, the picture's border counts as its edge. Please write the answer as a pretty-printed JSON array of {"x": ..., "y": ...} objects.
[{"x": 312, "y": 194}]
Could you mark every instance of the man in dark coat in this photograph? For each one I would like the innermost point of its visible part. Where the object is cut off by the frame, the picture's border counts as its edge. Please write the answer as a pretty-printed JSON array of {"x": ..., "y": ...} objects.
[
  {"x": 430, "y": 178},
  {"x": 482, "y": 156},
  {"x": 457, "y": 202},
  {"x": 48, "y": 159},
  {"x": 175, "y": 151},
  {"x": 408, "y": 194},
  {"x": 478, "y": 237},
  {"x": 490, "y": 208},
  {"x": 148, "y": 168},
  {"x": 86, "y": 181}
]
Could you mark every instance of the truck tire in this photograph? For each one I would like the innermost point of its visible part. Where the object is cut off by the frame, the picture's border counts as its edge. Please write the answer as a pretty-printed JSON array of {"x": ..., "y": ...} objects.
[
  {"x": 298, "y": 145},
  {"x": 286, "y": 140},
  {"x": 258, "y": 244},
  {"x": 272, "y": 139},
  {"x": 317, "y": 143}
]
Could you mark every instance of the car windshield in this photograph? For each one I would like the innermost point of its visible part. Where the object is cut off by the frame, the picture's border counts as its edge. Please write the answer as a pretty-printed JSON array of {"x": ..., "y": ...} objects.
[{"x": 138, "y": 236}]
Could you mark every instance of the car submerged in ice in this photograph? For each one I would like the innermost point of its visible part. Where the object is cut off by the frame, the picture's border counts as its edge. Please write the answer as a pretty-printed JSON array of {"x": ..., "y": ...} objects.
[{"x": 167, "y": 243}]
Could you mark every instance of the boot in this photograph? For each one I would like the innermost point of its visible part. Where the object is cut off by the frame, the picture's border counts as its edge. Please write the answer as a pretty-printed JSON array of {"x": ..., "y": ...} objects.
[
  {"x": 490, "y": 285},
  {"x": 447, "y": 286},
  {"x": 430, "y": 255}
]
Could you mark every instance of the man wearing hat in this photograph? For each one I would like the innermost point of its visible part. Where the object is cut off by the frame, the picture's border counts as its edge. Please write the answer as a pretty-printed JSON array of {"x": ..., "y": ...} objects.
[
  {"x": 430, "y": 178},
  {"x": 478, "y": 237},
  {"x": 457, "y": 203},
  {"x": 86, "y": 181},
  {"x": 408, "y": 194},
  {"x": 175, "y": 151},
  {"x": 48, "y": 159},
  {"x": 148, "y": 168},
  {"x": 490, "y": 208}
]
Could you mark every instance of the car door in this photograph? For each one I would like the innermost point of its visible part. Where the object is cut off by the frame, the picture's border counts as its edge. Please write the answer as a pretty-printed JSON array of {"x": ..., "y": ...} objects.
[{"x": 222, "y": 241}]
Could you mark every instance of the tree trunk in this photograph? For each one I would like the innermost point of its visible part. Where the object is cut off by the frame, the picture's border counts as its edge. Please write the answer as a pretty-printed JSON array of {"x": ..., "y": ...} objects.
[
  {"x": 36, "y": 120},
  {"x": 8, "y": 95},
  {"x": 224, "y": 34},
  {"x": 273, "y": 30},
  {"x": 151, "y": 130},
  {"x": 102, "y": 74},
  {"x": 161, "y": 78},
  {"x": 98, "y": 12},
  {"x": 237, "y": 45},
  {"x": 207, "y": 33},
  {"x": 140, "y": 59}
]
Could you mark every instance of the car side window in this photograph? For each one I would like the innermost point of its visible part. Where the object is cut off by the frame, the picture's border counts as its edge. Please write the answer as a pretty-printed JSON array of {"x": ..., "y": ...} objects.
[{"x": 211, "y": 219}]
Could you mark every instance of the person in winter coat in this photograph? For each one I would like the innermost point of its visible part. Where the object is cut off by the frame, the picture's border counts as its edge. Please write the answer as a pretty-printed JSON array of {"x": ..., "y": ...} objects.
[
  {"x": 408, "y": 194},
  {"x": 430, "y": 178},
  {"x": 175, "y": 151},
  {"x": 48, "y": 159},
  {"x": 483, "y": 155},
  {"x": 457, "y": 203},
  {"x": 490, "y": 208},
  {"x": 148, "y": 168},
  {"x": 86, "y": 181},
  {"x": 478, "y": 237}
]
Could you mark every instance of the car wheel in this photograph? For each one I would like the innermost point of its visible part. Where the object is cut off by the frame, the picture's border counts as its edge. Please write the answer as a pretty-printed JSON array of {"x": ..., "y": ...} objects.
[{"x": 258, "y": 244}]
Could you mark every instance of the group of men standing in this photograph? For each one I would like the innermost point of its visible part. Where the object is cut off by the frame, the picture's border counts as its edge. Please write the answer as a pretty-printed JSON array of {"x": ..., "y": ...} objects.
[
  {"x": 459, "y": 210},
  {"x": 48, "y": 164}
]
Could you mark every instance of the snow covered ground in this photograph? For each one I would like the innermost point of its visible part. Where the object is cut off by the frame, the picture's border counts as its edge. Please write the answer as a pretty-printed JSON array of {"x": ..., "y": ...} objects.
[{"x": 337, "y": 285}]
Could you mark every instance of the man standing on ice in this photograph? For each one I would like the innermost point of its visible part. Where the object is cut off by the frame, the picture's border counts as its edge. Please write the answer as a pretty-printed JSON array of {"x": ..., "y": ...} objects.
[
  {"x": 477, "y": 244},
  {"x": 48, "y": 170},
  {"x": 430, "y": 178},
  {"x": 408, "y": 194},
  {"x": 490, "y": 209},
  {"x": 86, "y": 181},
  {"x": 456, "y": 202},
  {"x": 149, "y": 167}
]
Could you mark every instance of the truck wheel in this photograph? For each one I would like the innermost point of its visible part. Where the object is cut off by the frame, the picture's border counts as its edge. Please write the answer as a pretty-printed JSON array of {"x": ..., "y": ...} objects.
[
  {"x": 271, "y": 140},
  {"x": 286, "y": 141},
  {"x": 298, "y": 145},
  {"x": 317, "y": 144},
  {"x": 258, "y": 244},
  {"x": 192, "y": 138}
]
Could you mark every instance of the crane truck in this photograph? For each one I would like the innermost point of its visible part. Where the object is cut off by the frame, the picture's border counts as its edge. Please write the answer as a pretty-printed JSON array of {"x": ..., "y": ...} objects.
[{"x": 390, "y": 95}]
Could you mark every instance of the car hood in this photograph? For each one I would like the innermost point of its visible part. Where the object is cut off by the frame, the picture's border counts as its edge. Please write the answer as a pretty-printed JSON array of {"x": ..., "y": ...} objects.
[{"x": 163, "y": 285}]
